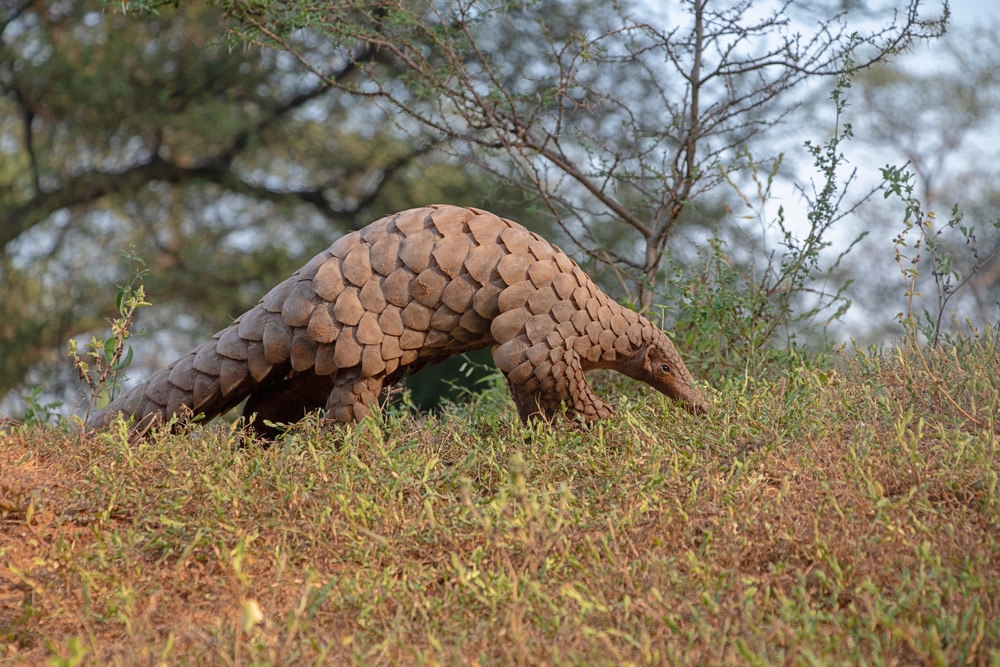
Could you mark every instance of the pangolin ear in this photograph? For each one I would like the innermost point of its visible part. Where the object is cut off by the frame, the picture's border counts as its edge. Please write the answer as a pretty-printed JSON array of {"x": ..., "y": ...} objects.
[{"x": 647, "y": 362}]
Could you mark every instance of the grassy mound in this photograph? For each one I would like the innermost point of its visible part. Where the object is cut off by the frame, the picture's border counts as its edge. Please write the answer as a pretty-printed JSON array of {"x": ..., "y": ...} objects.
[{"x": 847, "y": 515}]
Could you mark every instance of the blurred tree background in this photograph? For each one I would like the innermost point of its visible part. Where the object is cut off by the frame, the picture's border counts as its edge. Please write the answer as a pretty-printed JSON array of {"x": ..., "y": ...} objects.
[
  {"x": 225, "y": 168},
  {"x": 229, "y": 141}
]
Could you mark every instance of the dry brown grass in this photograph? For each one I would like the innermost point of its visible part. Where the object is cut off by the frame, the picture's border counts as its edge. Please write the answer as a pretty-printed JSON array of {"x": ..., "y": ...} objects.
[{"x": 829, "y": 517}]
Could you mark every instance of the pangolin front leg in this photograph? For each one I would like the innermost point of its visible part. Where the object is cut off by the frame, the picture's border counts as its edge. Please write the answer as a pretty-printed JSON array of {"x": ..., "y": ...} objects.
[{"x": 552, "y": 387}]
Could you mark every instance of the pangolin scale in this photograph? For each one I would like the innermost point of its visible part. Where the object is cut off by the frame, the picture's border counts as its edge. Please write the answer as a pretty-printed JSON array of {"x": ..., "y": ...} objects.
[{"x": 409, "y": 290}]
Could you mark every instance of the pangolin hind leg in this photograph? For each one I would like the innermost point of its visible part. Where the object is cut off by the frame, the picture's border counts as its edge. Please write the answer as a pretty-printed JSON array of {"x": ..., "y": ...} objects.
[
  {"x": 287, "y": 401},
  {"x": 352, "y": 396}
]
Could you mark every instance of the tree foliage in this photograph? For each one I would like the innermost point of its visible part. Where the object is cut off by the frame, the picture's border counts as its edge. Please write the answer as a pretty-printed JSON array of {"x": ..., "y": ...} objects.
[
  {"x": 225, "y": 168},
  {"x": 618, "y": 116}
]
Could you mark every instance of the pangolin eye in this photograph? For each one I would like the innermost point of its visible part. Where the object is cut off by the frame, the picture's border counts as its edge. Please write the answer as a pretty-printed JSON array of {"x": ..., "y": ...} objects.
[{"x": 665, "y": 368}]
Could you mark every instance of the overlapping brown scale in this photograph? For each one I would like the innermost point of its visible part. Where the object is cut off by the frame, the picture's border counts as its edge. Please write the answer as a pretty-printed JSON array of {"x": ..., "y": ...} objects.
[
  {"x": 622, "y": 345},
  {"x": 376, "y": 231},
  {"x": 274, "y": 300},
  {"x": 415, "y": 250},
  {"x": 390, "y": 348},
  {"x": 329, "y": 281},
  {"x": 450, "y": 220},
  {"x": 343, "y": 246},
  {"x": 508, "y": 325},
  {"x": 308, "y": 272},
  {"x": 299, "y": 304},
  {"x": 606, "y": 339},
  {"x": 204, "y": 391},
  {"x": 384, "y": 254},
  {"x": 348, "y": 310},
  {"x": 347, "y": 351},
  {"x": 512, "y": 353},
  {"x": 325, "y": 364},
  {"x": 604, "y": 316},
  {"x": 542, "y": 272},
  {"x": 563, "y": 284},
  {"x": 538, "y": 354},
  {"x": 486, "y": 301},
  {"x": 563, "y": 311},
  {"x": 515, "y": 296},
  {"x": 412, "y": 340},
  {"x": 486, "y": 229},
  {"x": 482, "y": 261},
  {"x": 277, "y": 342},
  {"x": 390, "y": 321},
  {"x": 450, "y": 253},
  {"x": 516, "y": 240},
  {"x": 438, "y": 340},
  {"x": 634, "y": 333},
  {"x": 473, "y": 322},
  {"x": 580, "y": 320},
  {"x": 257, "y": 363},
  {"x": 445, "y": 319},
  {"x": 158, "y": 389},
  {"x": 230, "y": 344},
  {"x": 396, "y": 287},
  {"x": 458, "y": 293},
  {"x": 618, "y": 323},
  {"x": 542, "y": 300},
  {"x": 372, "y": 362},
  {"x": 232, "y": 374},
  {"x": 321, "y": 328},
  {"x": 303, "y": 352},
  {"x": 413, "y": 221},
  {"x": 566, "y": 330},
  {"x": 357, "y": 268},
  {"x": 369, "y": 332},
  {"x": 428, "y": 286},
  {"x": 206, "y": 359},
  {"x": 514, "y": 268},
  {"x": 540, "y": 248},
  {"x": 251, "y": 326},
  {"x": 178, "y": 399},
  {"x": 416, "y": 316},
  {"x": 463, "y": 335},
  {"x": 371, "y": 296},
  {"x": 537, "y": 327}
]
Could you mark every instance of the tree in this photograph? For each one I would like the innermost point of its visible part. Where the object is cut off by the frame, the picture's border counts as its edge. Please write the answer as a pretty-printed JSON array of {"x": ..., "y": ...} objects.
[
  {"x": 619, "y": 117},
  {"x": 225, "y": 168}
]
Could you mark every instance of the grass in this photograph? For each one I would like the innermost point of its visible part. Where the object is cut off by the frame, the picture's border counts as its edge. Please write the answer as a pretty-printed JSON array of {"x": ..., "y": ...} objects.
[{"x": 840, "y": 516}]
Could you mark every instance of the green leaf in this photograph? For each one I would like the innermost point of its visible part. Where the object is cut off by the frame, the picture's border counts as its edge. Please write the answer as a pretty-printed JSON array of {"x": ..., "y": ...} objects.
[
  {"x": 110, "y": 347},
  {"x": 125, "y": 361}
]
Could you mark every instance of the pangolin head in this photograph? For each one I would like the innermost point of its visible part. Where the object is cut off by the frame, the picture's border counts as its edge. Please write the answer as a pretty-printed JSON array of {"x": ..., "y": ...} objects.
[{"x": 659, "y": 365}]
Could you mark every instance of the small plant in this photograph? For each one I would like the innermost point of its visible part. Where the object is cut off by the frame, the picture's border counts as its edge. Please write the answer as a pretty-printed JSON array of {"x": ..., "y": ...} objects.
[
  {"x": 108, "y": 357},
  {"x": 37, "y": 412},
  {"x": 734, "y": 312},
  {"x": 947, "y": 280}
]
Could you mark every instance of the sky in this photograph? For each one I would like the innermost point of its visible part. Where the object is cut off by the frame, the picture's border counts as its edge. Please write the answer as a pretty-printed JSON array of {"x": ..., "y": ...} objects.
[{"x": 967, "y": 11}]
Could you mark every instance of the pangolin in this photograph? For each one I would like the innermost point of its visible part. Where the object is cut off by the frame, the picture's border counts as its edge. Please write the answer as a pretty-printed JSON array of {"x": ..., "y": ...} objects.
[{"x": 409, "y": 290}]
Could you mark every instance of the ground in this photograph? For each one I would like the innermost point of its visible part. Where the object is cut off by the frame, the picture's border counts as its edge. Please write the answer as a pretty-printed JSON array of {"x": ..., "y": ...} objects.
[{"x": 843, "y": 515}]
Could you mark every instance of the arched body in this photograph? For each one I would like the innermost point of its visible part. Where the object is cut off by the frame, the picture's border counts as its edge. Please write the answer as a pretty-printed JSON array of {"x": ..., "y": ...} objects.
[{"x": 409, "y": 290}]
